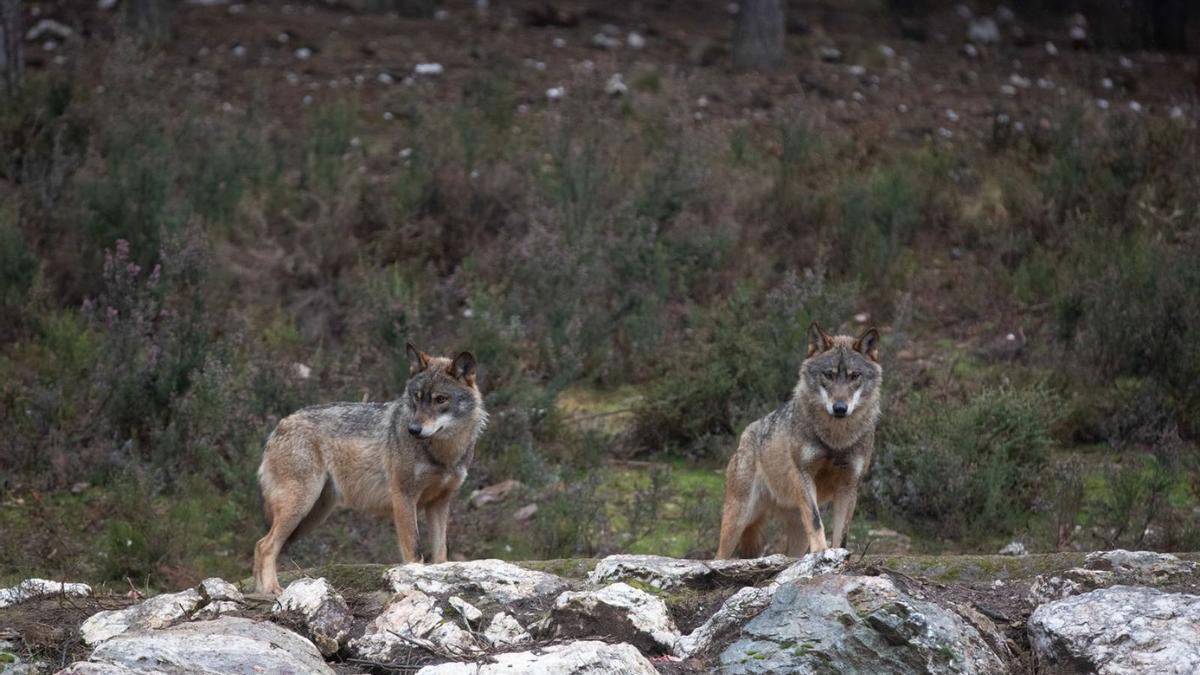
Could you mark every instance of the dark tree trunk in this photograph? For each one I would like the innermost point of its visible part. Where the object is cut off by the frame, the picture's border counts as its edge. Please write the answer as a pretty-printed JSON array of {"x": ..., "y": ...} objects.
[
  {"x": 11, "y": 64},
  {"x": 758, "y": 37}
]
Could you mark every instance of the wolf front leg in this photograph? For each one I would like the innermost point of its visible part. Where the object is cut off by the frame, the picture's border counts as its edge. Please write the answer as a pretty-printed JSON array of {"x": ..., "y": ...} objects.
[
  {"x": 793, "y": 490},
  {"x": 438, "y": 518},
  {"x": 844, "y": 498},
  {"x": 404, "y": 512}
]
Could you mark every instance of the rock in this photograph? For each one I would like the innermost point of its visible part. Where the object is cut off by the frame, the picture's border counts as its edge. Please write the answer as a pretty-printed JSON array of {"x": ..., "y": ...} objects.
[
  {"x": 1123, "y": 629},
  {"x": 215, "y": 609},
  {"x": 856, "y": 624},
  {"x": 31, "y": 589},
  {"x": 157, "y": 612},
  {"x": 656, "y": 570},
  {"x": 665, "y": 573},
  {"x": 615, "y": 86},
  {"x": 504, "y": 631},
  {"x": 829, "y": 561},
  {"x": 226, "y": 645},
  {"x": 1146, "y": 566},
  {"x": 749, "y": 601},
  {"x": 526, "y": 512},
  {"x": 1014, "y": 548},
  {"x": 411, "y": 619},
  {"x": 429, "y": 69},
  {"x": 737, "y": 609},
  {"x": 830, "y": 54},
  {"x": 215, "y": 589},
  {"x": 1050, "y": 587},
  {"x": 635, "y": 40},
  {"x": 321, "y": 610},
  {"x": 556, "y": 93},
  {"x": 983, "y": 31},
  {"x": 618, "y": 610},
  {"x": 499, "y": 581},
  {"x": 48, "y": 27},
  {"x": 586, "y": 657},
  {"x": 90, "y": 668},
  {"x": 492, "y": 493},
  {"x": 466, "y": 610}
]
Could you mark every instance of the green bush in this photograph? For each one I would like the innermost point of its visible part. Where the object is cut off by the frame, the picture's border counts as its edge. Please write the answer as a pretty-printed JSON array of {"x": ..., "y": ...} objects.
[{"x": 964, "y": 469}]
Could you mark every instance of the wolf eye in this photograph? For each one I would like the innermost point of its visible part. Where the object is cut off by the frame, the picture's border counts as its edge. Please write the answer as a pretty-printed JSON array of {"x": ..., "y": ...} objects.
[
  {"x": 854, "y": 375},
  {"x": 829, "y": 374},
  {"x": 440, "y": 399}
]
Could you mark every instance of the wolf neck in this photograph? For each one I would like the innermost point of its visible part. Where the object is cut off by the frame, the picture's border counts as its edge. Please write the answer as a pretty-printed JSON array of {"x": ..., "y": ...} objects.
[{"x": 835, "y": 433}]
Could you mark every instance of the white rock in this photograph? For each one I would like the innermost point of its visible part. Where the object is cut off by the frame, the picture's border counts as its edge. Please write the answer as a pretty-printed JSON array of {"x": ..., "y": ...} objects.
[
  {"x": 226, "y": 645},
  {"x": 556, "y": 93},
  {"x": 1102, "y": 103},
  {"x": 430, "y": 69},
  {"x": 40, "y": 588},
  {"x": 585, "y": 657},
  {"x": 983, "y": 31},
  {"x": 466, "y": 610},
  {"x": 1177, "y": 112},
  {"x": 605, "y": 41},
  {"x": 303, "y": 53},
  {"x": 830, "y": 54},
  {"x": 1020, "y": 81},
  {"x": 856, "y": 70},
  {"x": 736, "y": 610},
  {"x": 216, "y": 589},
  {"x": 1050, "y": 587},
  {"x": 1146, "y": 565},
  {"x": 157, "y": 612},
  {"x": 1014, "y": 548},
  {"x": 887, "y": 52},
  {"x": 1008, "y": 90},
  {"x": 615, "y": 86},
  {"x": 970, "y": 50},
  {"x": 48, "y": 27},
  {"x": 322, "y": 610},
  {"x": 635, "y": 40},
  {"x": 504, "y": 631},
  {"x": 656, "y": 570},
  {"x": 829, "y": 561},
  {"x": 525, "y": 512},
  {"x": 619, "y": 610},
  {"x": 951, "y": 115},
  {"x": 1134, "y": 106},
  {"x": 1122, "y": 629},
  {"x": 500, "y": 581},
  {"x": 216, "y": 609},
  {"x": 411, "y": 619},
  {"x": 1051, "y": 49}
]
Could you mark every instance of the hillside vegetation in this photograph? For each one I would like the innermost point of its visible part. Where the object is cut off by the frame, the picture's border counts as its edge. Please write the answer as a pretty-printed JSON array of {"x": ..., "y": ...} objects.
[{"x": 197, "y": 239}]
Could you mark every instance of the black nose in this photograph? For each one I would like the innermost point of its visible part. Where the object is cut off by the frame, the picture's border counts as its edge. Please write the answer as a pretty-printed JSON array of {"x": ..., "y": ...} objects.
[
  {"x": 839, "y": 409},
  {"x": 414, "y": 429}
]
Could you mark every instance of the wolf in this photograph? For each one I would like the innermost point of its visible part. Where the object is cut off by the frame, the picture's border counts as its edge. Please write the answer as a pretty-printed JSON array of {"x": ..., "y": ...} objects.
[
  {"x": 396, "y": 458},
  {"x": 812, "y": 450}
]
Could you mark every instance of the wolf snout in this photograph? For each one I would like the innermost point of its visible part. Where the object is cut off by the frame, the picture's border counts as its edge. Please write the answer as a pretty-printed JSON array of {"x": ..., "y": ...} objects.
[
  {"x": 415, "y": 430},
  {"x": 840, "y": 409}
]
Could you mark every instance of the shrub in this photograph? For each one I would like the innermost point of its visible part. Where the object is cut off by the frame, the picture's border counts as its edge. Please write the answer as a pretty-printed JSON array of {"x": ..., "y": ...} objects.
[{"x": 962, "y": 469}]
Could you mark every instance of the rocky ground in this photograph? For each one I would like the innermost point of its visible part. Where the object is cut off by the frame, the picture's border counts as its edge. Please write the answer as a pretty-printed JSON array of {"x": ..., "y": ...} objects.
[{"x": 1113, "y": 611}]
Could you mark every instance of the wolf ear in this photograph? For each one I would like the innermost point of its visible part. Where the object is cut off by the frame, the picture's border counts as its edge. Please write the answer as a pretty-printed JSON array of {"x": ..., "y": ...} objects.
[
  {"x": 818, "y": 339},
  {"x": 417, "y": 359},
  {"x": 463, "y": 367},
  {"x": 868, "y": 343}
]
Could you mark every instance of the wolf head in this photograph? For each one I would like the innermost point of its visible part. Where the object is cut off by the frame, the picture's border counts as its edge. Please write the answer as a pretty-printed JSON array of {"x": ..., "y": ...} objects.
[
  {"x": 441, "y": 397},
  {"x": 842, "y": 374}
]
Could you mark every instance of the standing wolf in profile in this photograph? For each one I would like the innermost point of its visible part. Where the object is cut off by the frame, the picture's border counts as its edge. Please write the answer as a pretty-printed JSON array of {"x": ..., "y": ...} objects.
[
  {"x": 398, "y": 457},
  {"x": 811, "y": 450}
]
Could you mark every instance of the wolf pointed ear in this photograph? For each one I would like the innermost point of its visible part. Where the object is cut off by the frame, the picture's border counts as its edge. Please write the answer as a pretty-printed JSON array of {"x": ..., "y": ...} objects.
[
  {"x": 818, "y": 339},
  {"x": 463, "y": 367},
  {"x": 868, "y": 344},
  {"x": 417, "y": 359}
]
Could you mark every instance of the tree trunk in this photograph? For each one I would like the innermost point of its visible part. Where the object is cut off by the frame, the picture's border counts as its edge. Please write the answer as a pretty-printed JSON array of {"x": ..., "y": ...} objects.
[
  {"x": 11, "y": 64},
  {"x": 758, "y": 37}
]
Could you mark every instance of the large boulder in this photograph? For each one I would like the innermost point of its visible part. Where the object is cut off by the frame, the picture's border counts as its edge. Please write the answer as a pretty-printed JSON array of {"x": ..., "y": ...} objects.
[
  {"x": 1121, "y": 629},
  {"x": 227, "y": 645},
  {"x": 31, "y": 589},
  {"x": 619, "y": 611},
  {"x": 750, "y": 600},
  {"x": 497, "y": 580},
  {"x": 585, "y": 657},
  {"x": 412, "y": 619},
  {"x": 1110, "y": 568},
  {"x": 856, "y": 624},
  {"x": 666, "y": 573},
  {"x": 157, "y": 612},
  {"x": 320, "y": 609}
]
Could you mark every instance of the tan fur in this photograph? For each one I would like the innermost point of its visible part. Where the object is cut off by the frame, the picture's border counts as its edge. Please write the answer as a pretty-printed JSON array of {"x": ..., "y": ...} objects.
[
  {"x": 800, "y": 457},
  {"x": 362, "y": 456}
]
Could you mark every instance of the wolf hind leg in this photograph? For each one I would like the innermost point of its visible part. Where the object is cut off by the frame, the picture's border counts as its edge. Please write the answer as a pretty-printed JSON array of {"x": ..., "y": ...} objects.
[
  {"x": 288, "y": 503},
  {"x": 318, "y": 513}
]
